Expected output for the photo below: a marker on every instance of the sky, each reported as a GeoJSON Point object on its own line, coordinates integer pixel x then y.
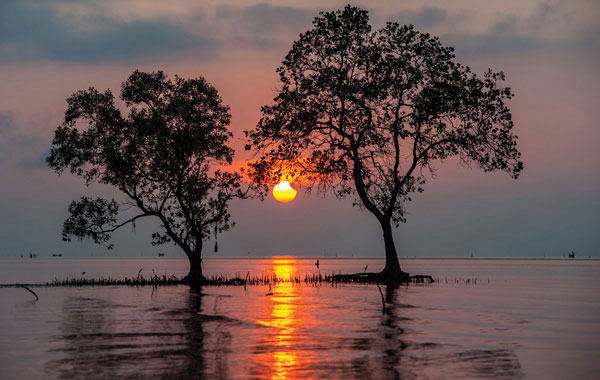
{"type": "Point", "coordinates": [549, 51]}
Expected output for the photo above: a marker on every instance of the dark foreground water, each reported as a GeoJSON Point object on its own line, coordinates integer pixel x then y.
{"type": "Point", "coordinates": [521, 319]}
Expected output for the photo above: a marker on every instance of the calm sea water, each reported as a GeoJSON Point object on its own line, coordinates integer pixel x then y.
{"type": "Point", "coordinates": [534, 319]}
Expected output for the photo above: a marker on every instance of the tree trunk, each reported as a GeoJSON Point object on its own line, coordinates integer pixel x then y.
{"type": "Point", "coordinates": [391, 271]}
{"type": "Point", "coordinates": [195, 257]}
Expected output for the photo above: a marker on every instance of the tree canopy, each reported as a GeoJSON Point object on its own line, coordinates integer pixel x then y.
{"type": "Point", "coordinates": [369, 114]}
{"type": "Point", "coordinates": [164, 156]}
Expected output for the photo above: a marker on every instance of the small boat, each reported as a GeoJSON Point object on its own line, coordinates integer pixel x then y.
{"type": "Point", "coordinates": [571, 255]}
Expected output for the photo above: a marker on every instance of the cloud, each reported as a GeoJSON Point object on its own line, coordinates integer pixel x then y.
{"type": "Point", "coordinates": [265, 18]}
{"type": "Point", "coordinates": [37, 162]}
{"type": "Point", "coordinates": [548, 26]}
{"type": "Point", "coordinates": [426, 17]}
{"type": "Point", "coordinates": [112, 31]}
{"type": "Point", "coordinates": [36, 32]}
{"type": "Point", "coordinates": [493, 44]}
{"type": "Point", "coordinates": [261, 26]}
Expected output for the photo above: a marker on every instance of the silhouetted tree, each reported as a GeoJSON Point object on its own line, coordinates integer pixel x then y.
{"type": "Point", "coordinates": [368, 114]}
{"type": "Point", "coordinates": [162, 156]}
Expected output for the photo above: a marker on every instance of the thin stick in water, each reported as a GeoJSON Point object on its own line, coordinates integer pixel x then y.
{"type": "Point", "coordinates": [31, 291]}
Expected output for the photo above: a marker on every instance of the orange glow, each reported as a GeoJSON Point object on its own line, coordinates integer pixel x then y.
{"type": "Point", "coordinates": [283, 192]}
{"type": "Point", "coordinates": [274, 172]}
{"type": "Point", "coordinates": [284, 318]}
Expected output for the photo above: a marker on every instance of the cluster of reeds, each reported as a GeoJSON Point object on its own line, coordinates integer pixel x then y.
{"type": "Point", "coordinates": [270, 279]}
{"type": "Point", "coordinates": [461, 280]}
{"type": "Point", "coordinates": [140, 280]}
{"type": "Point", "coordinates": [312, 279]}
{"type": "Point", "coordinates": [296, 278]}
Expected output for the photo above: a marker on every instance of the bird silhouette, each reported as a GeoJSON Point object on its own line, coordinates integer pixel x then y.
{"type": "Point", "coordinates": [366, 266]}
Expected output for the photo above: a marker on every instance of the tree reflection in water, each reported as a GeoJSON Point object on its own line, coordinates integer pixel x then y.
{"type": "Point", "coordinates": [102, 340]}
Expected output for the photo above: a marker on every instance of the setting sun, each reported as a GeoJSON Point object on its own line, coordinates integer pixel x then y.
{"type": "Point", "coordinates": [283, 192]}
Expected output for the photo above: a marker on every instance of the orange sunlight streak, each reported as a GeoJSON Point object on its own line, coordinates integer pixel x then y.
{"type": "Point", "coordinates": [285, 319]}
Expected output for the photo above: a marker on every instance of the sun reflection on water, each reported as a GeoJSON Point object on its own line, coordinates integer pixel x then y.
{"type": "Point", "coordinates": [285, 318]}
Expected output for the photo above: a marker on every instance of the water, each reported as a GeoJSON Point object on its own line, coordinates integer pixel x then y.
{"type": "Point", "coordinates": [522, 319]}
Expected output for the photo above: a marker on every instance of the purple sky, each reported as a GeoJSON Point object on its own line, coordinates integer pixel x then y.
{"type": "Point", "coordinates": [548, 50]}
